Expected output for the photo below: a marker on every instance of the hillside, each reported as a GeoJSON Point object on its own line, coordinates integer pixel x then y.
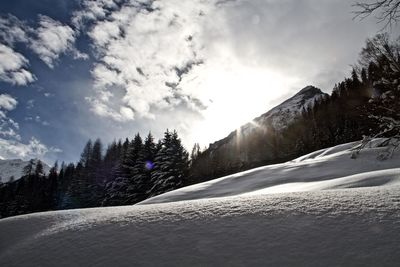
{"type": "Point", "coordinates": [262, 141]}
{"type": "Point", "coordinates": [12, 169]}
{"type": "Point", "coordinates": [276, 119]}
{"type": "Point", "coordinates": [342, 221]}
{"type": "Point", "coordinates": [326, 169]}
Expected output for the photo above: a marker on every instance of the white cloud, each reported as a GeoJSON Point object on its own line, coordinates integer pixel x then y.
{"type": "Point", "coordinates": [228, 60]}
{"type": "Point", "coordinates": [7, 102]}
{"type": "Point", "coordinates": [13, 67]}
{"type": "Point", "coordinates": [48, 41]}
{"type": "Point", "coordinates": [33, 149]}
{"type": "Point", "coordinates": [12, 30]}
{"type": "Point", "coordinates": [11, 145]}
{"type": "Point", "coordinates": [52, 39]}
{"type": "Point", "coordinates": [76, 54]}
{"type": "Point", "coordinates": [8, 127]}
{"type": "Point", "coordinates": [30, 104]}
{"type": "Point", "coordinates": [144, 49]}
{"type": "Point", "coordinates": [93, 10]}
{"type": "Point", "coordinates": [38, 119]}
{"type": "Point", "coordinates": [127, 113]}
{"type": "Point", "coordinates": [100, 108]}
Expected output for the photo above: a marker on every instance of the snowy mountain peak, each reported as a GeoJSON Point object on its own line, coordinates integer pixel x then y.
{"type": "Point", "coordinates": [282, 115]}
{"type": "Point", "coordinates": [309, 90]}
{"type": "Point", "coordinates": [278, 117]}
{"type": "Point", "coordinates": [12, 169]}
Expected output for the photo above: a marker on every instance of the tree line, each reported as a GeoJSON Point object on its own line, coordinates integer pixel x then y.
{"type": "Point", "coordinates": [128, 172]}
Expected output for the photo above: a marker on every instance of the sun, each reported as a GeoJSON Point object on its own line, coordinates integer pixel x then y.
{"type": "Point", "coordinates": [236, 96]}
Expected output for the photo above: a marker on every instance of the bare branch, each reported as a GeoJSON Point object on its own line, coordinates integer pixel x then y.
{"type": "Point", "coordinates": [385, 11]}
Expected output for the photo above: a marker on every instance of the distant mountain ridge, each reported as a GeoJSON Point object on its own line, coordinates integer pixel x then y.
{"type": "Point", "coordinates": [283, 114]}
{"type": "Point", "coordinates": [12, 169]}
{"type": "Point", "coordinates": [280, 116]}
{"type": "Point", "coordinates": [259, 142]}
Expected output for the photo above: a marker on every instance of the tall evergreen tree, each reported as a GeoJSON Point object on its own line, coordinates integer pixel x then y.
{"type": "Point", "coordinates": [170, 165]}
{"type": "Point", "coordinates": [86, 154]}
{"type": "Point", "coordinates": [143, 168]}
{"type": "Point", "coordinates": [39, 171]}
{"type": "Point", "coordinates": [123, 190]}
{"type": "Point", "coordinates": [52, 189]}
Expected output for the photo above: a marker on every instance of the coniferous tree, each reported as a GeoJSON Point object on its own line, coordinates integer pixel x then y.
{"type": "Point", "coordinates": [170, 165]}
{"type": "Point", "coordinates": [122, 190]}
{"type": "Point", "coordinates": [96, 155]}
{"type": "Point", "coordinates": [111, 161]}
{"type": "Point", "coordinates": [39, 171]}
{"type": "Point", "coordinates": [53, 186]}
{"type": "Point", "coordinates": [66, 183]}
{"type": "Point", "coordinates": [195, 151]}
{"type": "Point", "coordinates": [82, 188]}
{"type": "Point", "coordinates": [143, 168]}
{"type": "Point", "coordinates": [86, 154]}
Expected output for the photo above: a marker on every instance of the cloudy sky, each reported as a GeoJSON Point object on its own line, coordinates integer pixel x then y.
{"type": "Point", "coordinates": [71, 70]}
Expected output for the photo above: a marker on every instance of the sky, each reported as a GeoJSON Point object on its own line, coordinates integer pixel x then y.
{"type": "Point", "coordinates": [71, 70]}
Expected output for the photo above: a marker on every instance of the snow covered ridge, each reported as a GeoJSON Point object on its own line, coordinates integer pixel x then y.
{"type": "Point", "coordinates": [278, 117]}
{"type": "Point", "coordinates": [283, 114]}
{"type": "Point", "coordinates": [12, 169]}
{"type": "Point", "coordinates": [330, 168]}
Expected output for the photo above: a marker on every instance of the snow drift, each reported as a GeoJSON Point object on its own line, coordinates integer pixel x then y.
{"type": "Point", "coordinates": [330, 168]}
{"type": "Point", "coordinates": [357, 224]}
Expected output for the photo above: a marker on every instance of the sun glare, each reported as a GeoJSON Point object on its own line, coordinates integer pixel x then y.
{"type": "Point", "coordinates": [236, 96]}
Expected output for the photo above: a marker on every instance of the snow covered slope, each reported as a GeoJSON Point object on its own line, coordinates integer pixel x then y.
{"type": "Point", "coordinates": [278, 117]}
{"type": "Point", "coordinates": [254, 143]}
{"type": "Point", "coordinates": [330, 168]}
{"type": "Point", "coordinates": [283, 114]}
{"type": "Point", "coordinates": [357, 227]}
{"type": "Point", "coordinates": [12, 169]}
{"type": "Point", "coordinates": [355, 224]}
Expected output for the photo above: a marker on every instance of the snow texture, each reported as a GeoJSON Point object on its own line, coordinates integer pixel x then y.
{"type": "Point", "coordinates": [282, 115]}
{"type": "Point", "coordinates": [347, 226]}
{"type": "Point", "coordinates": [330, 168]}
{"type": "Point", "coordinates": [358, 227]}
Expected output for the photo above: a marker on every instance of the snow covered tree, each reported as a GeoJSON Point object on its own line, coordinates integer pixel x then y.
{"type": "Point", "coordinates": [382, 56]}
{"type": "Point", "coordinates": [171, 165]}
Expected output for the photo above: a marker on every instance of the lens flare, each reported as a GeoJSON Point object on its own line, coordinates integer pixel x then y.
{"type": "Point", "coordinates": [149, 165]}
